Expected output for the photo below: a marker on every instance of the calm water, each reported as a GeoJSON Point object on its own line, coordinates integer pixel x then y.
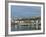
{"type": "Point", "coordinates": [22, 28]}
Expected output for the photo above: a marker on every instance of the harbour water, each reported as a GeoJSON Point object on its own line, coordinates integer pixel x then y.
{"type": "Point", "coordinates": [24, 27]}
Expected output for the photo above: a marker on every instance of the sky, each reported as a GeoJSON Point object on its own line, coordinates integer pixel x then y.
{"type": "Point", "coordinates": [25, 11]}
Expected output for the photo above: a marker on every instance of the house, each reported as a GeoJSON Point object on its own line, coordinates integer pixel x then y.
{"type": "Point", "coordinates": [34, 23]}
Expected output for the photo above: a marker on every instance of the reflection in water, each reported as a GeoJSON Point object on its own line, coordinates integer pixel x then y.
{"type": "Point", "coordinates": [23, 27]}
